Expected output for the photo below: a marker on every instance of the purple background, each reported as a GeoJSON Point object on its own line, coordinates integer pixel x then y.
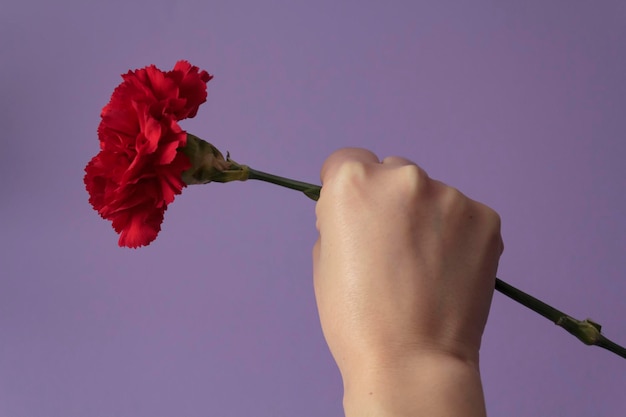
{"type": "Point", "coordinates": [519, 104]}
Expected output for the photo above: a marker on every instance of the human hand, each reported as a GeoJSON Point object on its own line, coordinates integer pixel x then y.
{"type": "Point", "coordinates": [404, 271]}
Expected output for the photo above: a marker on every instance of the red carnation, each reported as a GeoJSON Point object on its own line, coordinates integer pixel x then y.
{"type": "Point", "coordinates": [138, 170]}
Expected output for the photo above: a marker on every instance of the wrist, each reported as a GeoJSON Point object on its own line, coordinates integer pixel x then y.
{"type": "Point", "coordinates": [431, 384]}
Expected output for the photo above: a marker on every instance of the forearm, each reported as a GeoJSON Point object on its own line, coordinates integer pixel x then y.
{"type": "Point", "coordinates": [434, 387]}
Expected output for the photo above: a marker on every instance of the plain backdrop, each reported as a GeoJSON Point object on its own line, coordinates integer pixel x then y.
{"type": "Point", "coordinates": [520, 104]}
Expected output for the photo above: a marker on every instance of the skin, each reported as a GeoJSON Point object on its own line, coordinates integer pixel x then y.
{"type": "Point", "coordinates": [404, 271]}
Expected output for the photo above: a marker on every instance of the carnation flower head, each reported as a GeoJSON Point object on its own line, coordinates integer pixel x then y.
{"type": "Point", "coordinates": [138, 170]}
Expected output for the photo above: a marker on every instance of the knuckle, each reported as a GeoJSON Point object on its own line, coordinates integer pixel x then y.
{"type": "Point", "coordinates": [492, 218]}
{"type": "Point", "coordinates": [452, 199]}
{"type": "Point", "coordinates": [413, 179]}
{"type": "Point", "coordinates": [492, 224]}
{"type": "Point", "coordinates": [455, 202]}
{"type": "Point", "coordinates": [343, 190]}
{"type": "Point", "coordinates": [348, 176]}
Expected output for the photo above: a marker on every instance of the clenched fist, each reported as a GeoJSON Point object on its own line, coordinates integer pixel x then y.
{"type": "Point", "coordinates": [404, 271]}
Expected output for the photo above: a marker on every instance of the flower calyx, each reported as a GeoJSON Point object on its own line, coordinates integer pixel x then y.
{"type": "Point", "coordinates": [209, 165]}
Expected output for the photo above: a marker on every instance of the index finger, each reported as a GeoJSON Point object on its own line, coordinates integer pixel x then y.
{"type": "Point", "coordinates": [341, 156]}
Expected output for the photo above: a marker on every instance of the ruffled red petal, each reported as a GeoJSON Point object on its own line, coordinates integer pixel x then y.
{"type": "Point", "coordinates": [138, 170]}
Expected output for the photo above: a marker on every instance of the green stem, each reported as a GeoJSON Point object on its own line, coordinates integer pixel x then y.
{"type": "Point", "coordinates": [310, 190]}
{"type": "Point", "coordinates": [520, 296]}
{"type": "Point", "coordinates": [586, 331]}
